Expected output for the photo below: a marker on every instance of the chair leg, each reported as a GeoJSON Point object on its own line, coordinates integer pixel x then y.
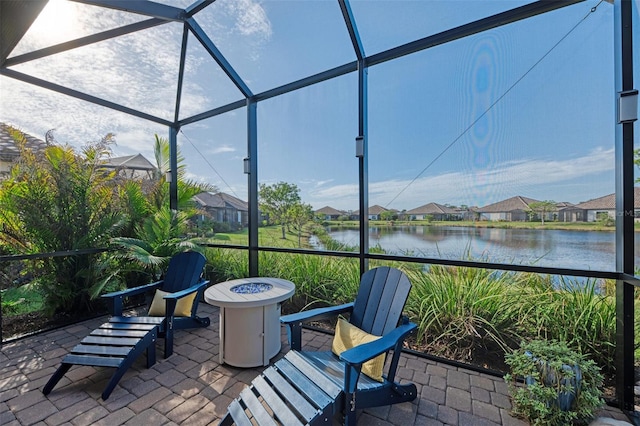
{"type": "Point", "coordinates": [168, 341]}
{"type": "Point", "coordinates": [349, 409]}
{"type": "Point", "coordinates": [151, 354]}
{"type": "Point", "coordinates": [53, 381]}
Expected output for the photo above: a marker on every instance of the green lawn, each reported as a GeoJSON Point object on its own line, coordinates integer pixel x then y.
{"type": "Point", "coordinates": [21, 300]}
{"type": "Point", "coordinates": [268, 236]}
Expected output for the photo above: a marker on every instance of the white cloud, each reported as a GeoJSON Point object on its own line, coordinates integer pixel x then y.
{"type": "Point", "coordinates": [222, 149]}
{"type": "Point", "coordinates": [251, 18]}
{"type": "Point", "coordinates": [475, 187]}
{"type": "Point", "coordinates": [323, 182]}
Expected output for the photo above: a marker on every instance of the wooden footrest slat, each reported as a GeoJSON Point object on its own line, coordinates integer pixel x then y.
{"type": "Point", "coordinates": [119, 333]}
{"type": "Point", "coordinates": [137, 320]}
{"type": "Point", "coordinates": [127, 326]}
{"type": "Point", "coordinates": [97, 361]}
{"type": "Point", "coordinates": [237, 413]}
{"type": "Point", "coordinates": [306, 410]}
{"type": "Point", "coordinates": [256, 408]}
{"type": "Point", "coordinates": [113, 341]}
{"type": "Point", "coordinates": [101, 350]}
{"type": "Point", "coordinates": [277, 405]}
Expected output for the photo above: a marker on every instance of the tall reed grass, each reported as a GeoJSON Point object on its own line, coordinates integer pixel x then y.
{"type": "Point", "coordinates": [320, 280]}
{"type": "Point", "coordinates": [460, 311]}
{"type": "Point", "coordinates": [572, 311]}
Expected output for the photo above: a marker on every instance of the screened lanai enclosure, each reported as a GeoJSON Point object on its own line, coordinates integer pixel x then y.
{"type": "Point", "coordinates": [384, 116]}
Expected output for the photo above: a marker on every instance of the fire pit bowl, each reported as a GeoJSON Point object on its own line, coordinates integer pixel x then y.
{"type": "Point", "coordinates": [251, 288]}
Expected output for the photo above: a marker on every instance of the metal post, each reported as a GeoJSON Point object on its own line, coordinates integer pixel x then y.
{"type": "Point", "coordinates": [363, 163]}
{"type": "Point", "coordinates": [252, 178]}
{"type": "Point", "coordinates": [625, 208]}
{"type": "Point", "coordinates": [173, 165]}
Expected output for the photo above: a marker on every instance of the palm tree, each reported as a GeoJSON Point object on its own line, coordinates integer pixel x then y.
{"type": "Point", "coordinates": [158, 233]}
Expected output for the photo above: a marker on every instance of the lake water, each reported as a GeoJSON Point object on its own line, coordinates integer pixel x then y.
{"type": "Point", "coordinates": [590, 250]}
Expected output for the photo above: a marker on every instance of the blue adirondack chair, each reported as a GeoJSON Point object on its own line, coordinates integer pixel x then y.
{"type": "Point", "coordinates": [182, 278]}
{"type": "Point", "coordinates": [119, 342]}
{"type": "Point", "coordinates": [310, 387]}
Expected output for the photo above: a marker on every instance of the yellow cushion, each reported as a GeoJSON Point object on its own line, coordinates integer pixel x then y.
{"type": "Point", "coordinates": [183, 306]}
{"type": "Point", "coordinates": [348, 336]}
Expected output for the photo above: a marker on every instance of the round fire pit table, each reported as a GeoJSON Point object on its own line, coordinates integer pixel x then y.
{"type": "Point", "coordinates": [249, 318]}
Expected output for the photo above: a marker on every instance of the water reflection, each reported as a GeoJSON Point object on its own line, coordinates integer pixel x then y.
{"type": "Point", "coordinates": [590, 250]}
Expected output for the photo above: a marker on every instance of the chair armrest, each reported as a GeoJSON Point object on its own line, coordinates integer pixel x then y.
{"type": "Point", "coordinates": [367, 351]}
{"type": "Point", "coordinates": [316, 314]}
{"type": "Point", "coordinates": [114, 299]}
{"type": "Point", "coordinates": [133, 291]}
{"type": "Point", "coordinates": [294, 321]}
{"type": "Point", "coordinates": [182, 293]}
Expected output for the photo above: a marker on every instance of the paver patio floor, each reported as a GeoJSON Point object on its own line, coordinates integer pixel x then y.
{"type": "Point", "coordinates": [191, 387]}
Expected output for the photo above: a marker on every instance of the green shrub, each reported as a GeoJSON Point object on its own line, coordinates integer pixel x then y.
{"type": "Point", "coordinates": [547, 368]}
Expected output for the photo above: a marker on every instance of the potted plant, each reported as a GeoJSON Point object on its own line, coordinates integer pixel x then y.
{"type": "Point", "coordinates": [561, 387]}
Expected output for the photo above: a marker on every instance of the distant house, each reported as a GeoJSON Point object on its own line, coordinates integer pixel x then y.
{"type": "Point", "coordinates": [434, 211]}
{"type": "Point", "coordinates": [9, 150]}
{"type": "Point", "coordinates": [514, 209]}
{"type": "Point", "coordinates": [594, 209]}
{"type": "Point", "coordinates": [329, 213]}
{"type": "Point", "coordinates": [375, 212]}
{"type": "Point", "coordinates": [224, 208]}
{"type": "Point", "coordinates": [132, 166]}
{"type": "Point", "coordinates": [564, 212]}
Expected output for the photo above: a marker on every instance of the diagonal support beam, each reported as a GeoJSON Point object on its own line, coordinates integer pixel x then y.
{"type": "Point", "coordinates": [141, 7]}
{"type": "Point", "coordinates": [83, 41]}
{"type": "Point", "coordinates": [206, 42]}
{"type": "Point", "coordinates": [197, 7]}
{"type": "Point", "coordinates": [183, 55]}
{"type": "Point", "coordinates": [498, 20]}
{"type": "Point", "coordinates": [80, 95]}
{"type": "Point", "coordinates": [350, 22]}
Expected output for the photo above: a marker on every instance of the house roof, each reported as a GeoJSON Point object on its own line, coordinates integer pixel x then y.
{"type": "Point", "coordinates": [508, 205]}
{"type": "Point", "coordinates": [131, 162]}
{"type": "Point", "coordinates": [221, 200]}
{"type": "Point", "coordinates": [432, 208]}
{"type": "Point", "coordinates": [564, 205]}
{"type": "Point", "coordinates": [326, 210]}
{"type": "Point", "coordinates": [377, 209]}
{"type": "Point", "coordinates": [608, 202]}
{"type": "Point", "coordinates": [9, 148]}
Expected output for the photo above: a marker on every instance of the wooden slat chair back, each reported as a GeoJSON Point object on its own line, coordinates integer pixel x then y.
{"type": "Point", "coordinates": [381, 297]}
{"type": "Point", "coordinates": [184, 271]}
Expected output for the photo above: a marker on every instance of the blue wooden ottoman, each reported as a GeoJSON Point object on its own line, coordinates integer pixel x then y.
{"type": "Point", "coordinates": [114, 344]}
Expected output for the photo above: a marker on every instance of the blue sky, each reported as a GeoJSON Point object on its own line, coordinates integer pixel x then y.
{"type": "Point", "coordinates": [471, 122]}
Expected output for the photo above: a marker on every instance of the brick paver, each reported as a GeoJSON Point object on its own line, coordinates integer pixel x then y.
{"type": "Point", "coordinates": [192, 388]}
